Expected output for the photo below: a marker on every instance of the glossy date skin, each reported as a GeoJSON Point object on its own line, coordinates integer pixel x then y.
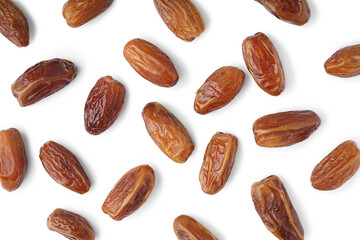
{"type": "Point", "coordinates": [275, 209]}
{"type": "Point", "coordinates": [187, 228]}
{"type": "Point", "coordinates": [263, 63]}
{"type": "Point", "coordinates": [130, 192]}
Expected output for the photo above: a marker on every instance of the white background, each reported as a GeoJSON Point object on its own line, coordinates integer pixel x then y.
{"type": "Point", "coordinates": [96, 48]}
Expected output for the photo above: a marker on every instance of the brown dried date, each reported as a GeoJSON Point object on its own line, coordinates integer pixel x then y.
{"type": "Point", "coordinates": [63, 166]}
{"type": "Point", "coordinates": [263, 62]}
{"type": "Point", "coordinates": [13, 160]}
{"type": "Point", "coordinates": [218, 161]}
{"type": "Point", "coordinates": [275, 209]}
{"type": "Point", "coordinates": [167, 132]}
{"type": "Point", "coordinates": [151, 63]}
{"type": "Point", "coordinates": [187, 228]}
{"type": "Point", "coordinates": [130, 192]}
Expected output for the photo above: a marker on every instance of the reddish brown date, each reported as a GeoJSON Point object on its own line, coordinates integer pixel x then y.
{"type": "Point", "coordinates": [263, 62]}
{"type": "Point", "coordinates": [63, 166]}
{"type": "Point", "coordinates": [275, 209]}
{"type": "Point", "coordinates": [13, 160]}
{"type": "Point", "coordinates": [42, 80]}
{"type": "Point", "coordinates": [70, 225]}
{"type": "Point", "coordinates": [103, 105]}
{"type": "Point", "coordinates": [130, 192]}
{"type": "Point", "coordinates": [167, 132]}
{"type": "Point", "coordinates": [218, 161]}
{"type": "Point", "coordinates": [151, 63]}
{"type": "Point", "coordinates": [187, 228]}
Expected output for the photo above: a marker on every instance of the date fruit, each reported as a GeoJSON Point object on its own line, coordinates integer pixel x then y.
{"type": "Point", "coordinates": [219, 89]}
{"type": "Point", "coordinates": [13, 24]}
{"type": "Point", "coordinates": [275, 209]}
{"type": "Point", "coordinates": [42, 80]}
{"type": "Point", "coordinates": [79, 12]}
{"type": "Point", "coordinates": [130, 192]}
{"type": "Point", "coordinates": [181, 17]}
{"type": "Point", "coordinates": [103, 105]}
{"type": "Point", "coordinates": [337, 167]}
{"type": "Point", "coordinates": [263, 62]}
{"type": "Point", "coordinates": [70, 225]}
{"type": "Point", "coordinates": [63, 167]}
{"type": "Point", "coordinates": [285, 128]}
{"type": "Point", "coordinates": [292, 11]}
{"type": "Point", "coordinates": [167, 132]}
{"type": "Point", "coordinates": [218, 161]}
{"type": "Point", "coordinates": [13, 160]}
{"type": "Point", "coordinates": [151, 63]}
{"type": "Point", "coordinates": [187, 228]}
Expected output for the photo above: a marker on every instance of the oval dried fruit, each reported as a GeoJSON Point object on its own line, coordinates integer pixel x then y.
{"type": "Point", "coordinates": [187, 228]}
{"type": "Point", "coordinates": [130, 192]}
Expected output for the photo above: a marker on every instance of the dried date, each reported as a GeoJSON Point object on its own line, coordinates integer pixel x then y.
{"type": "Point", "coordinates": [187, 228]}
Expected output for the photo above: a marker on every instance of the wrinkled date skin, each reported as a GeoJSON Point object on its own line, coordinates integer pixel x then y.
{"type": "Point", "coordinates": [151, 63]}
{"type": "Point", "coordinates": [187, 228]}
{"type": "Point", "coordinates": [13, 24]}
{"type": "Point", "coordinates": [79, 12]}
{"type": "Point", "coordinates": [337, 167]}
{"type": "Point", "coordinates": [219, 89]}
{"type": "Point", "coordinates": [70, 225]}
{"type": "Point", "coordinates": [292, 11]}
{"type": "Point", "coordinates": [218, 161]}
{"type": "Point", "coordinates": [263, 62]}
{"type": "Point", "coordinates": [13, 160]}
{"type": "Point", "coordinates": [64, 167]}
{"type": "Point", "coordinates": [103, 105]}
{"type": "Point", "coordinates": [130, 192]}
{"type": "Point", "coordinates": [275, 209]}
{"type": "Point", "coordinates": [285, 128]}
{"type": "Point", "coordinates": [182, 17]}
{"type": "Point", "coordinates": [42, 80]}
{"type": "Point", "coordinates": [167, 132]}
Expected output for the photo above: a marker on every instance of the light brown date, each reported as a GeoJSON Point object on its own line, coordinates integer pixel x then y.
{"type": "Point", "coordinates": [13, 160]}
{"type": "Point", "coordinates": [218, 161]}
{"type": "Point", "coordinates": [219, 89]}
{"type": "Point", "coordinates": [187, 228]}
{"type": "Point", "coordinates": [337, 167]}
{"type": "Point", "coordinates": [70, 225]}
{"type": "Point", "coordinates": [285, 128]}
{"type": "Point", "coordinates": [275, 209]}
{"type": "Point", "coordinates": [63, 166]}
{"type": "Point", "coordinates": [167, 132]}
{"type": "Point", "coordinates": [263, 62]}
{"type": "Point", "coordinates": [130, 192]}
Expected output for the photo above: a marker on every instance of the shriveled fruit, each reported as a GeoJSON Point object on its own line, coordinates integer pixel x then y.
{"type": "Point", "coordinates": [285, 128]}
{"type": "Point", "coordinates": [181, 17]}
{"type": "Point", "coordinates": [103, 105]}
{"type": "Point", "coordinates": [13, 160]}
{"type": "Point", "coordinates": [275, 209]}
{"type": "Point", "coordinates": [219, 89]}
{"type": "Point", "coordinates": [70, 225]}
{"type": "Point", "coordinates": [263, 62]}
{"type": "Point", "coordinates": [167, 132]}
{"type": "Point", "coordinates": [42, 80]}
{"type": "Point", "coordinates": [218, 161]}
{"type": "Point", "coordinates": [130, 192]}
{"type": "Point", "coordinates": [187, 228]}
{"type": "Point", "coordinates": [151, 63]}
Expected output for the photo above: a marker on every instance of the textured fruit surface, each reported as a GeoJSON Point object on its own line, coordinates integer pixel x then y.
{"type": "Point", "coordinates": [42, 80]}
{"type": "Point", "coordinates": [182, 18]}
{"type": "Point", "coordinates": [218, 161]}
{"type": "Point", "coordinates": [78, 12]}
{"type": "Point", "coordinates": [130, 192]}
{"type": "Point", "coordinates": [263, 62]}
{"type": "Point", "coordinates": [285, 128]}
{"type": "Point", "coordinates": [13, 160]}
{"type": "Point", "coordinates": [187, 228]}
{"type": "Point", "coordinates": [151, 63]}
{"type": "Point", "coordinates": [70, 225]}
{"type": "Point", "coordinates": [103, 105]}
{"type": "Point", "coordinates": [275, 209]}
{"type": "Point", "coordinates": [167, 132]}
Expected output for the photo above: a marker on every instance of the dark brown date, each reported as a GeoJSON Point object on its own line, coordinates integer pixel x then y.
{"type": "Point", "coordinates": [187, 228]}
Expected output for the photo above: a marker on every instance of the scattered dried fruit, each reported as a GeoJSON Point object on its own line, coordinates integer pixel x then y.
{"type": "Point", "coordinates": [187, 228]}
